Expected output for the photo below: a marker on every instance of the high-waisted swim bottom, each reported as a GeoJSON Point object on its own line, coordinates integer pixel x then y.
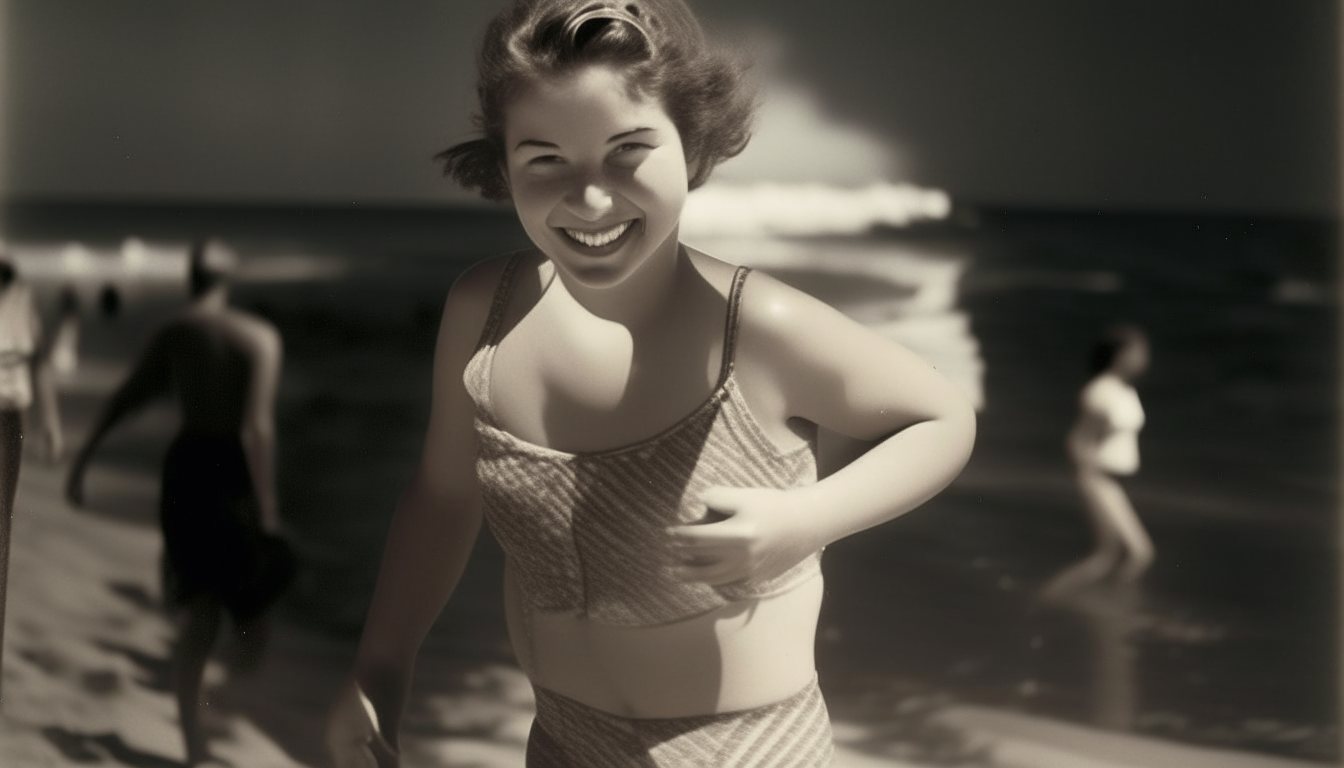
{"type": "Point", "coordinates": [793, 733]}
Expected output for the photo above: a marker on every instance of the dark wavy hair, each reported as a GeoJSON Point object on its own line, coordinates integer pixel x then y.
{"type": "Point", "coordinates": [1109, 346]}
{"type": "Point", "coordinates": [204, 272]}
{"type": "Point", "coordinates": [657, 44]}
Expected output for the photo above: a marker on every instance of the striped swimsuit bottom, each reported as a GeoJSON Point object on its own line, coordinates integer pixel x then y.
{"type": "Point", "coordinates": [793, 733]}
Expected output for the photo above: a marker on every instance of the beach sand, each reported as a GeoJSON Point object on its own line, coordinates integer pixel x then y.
{"type": "Point", "coordinates": [86, 674]}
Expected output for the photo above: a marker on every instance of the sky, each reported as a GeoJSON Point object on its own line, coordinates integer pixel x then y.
{"type": "Point", "coordinates": [1209, 105]}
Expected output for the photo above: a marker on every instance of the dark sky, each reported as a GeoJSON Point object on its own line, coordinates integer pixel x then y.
{"type": "Point", "coordinates": [1111, 104]}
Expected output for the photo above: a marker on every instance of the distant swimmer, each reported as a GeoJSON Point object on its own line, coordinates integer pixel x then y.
{"type": "Point", "coordinates": [1104, 447]}
{"type": "Point", "coordinates": [218, 507]}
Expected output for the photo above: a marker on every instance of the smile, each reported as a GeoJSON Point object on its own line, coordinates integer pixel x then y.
{"type": "Point", "coordinates": [599, 238]}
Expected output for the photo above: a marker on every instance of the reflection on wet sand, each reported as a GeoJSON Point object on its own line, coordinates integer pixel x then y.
{"type": "Point", "coordinates": [1110, 620]}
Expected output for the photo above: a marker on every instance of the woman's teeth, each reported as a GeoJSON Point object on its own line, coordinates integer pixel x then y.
{"type": "Point", "coordinates": [598, 239]}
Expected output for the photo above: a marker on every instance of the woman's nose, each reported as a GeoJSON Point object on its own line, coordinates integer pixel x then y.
{"type": "Point", "coordinates": [592, 203]}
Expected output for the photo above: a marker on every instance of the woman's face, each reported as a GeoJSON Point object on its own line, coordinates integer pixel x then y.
{"type": "Point", "coordinates": [598, 178]}
{"type": "Point", "coordinates": [1133, 359]}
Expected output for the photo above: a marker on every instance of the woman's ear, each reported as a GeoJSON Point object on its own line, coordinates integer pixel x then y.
{"type": "Point", "coordinates": [693, 165]}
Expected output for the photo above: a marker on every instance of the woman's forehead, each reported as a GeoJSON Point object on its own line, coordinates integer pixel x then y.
{"type": "Point", "coordinates": [589, 100]}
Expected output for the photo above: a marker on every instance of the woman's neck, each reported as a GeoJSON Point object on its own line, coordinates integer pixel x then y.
{"type": "Point", "coordinates": [642, 295]}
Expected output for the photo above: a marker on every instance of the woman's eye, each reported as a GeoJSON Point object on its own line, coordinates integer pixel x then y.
{"type": "Point", "coordinates": [630, 154]}
{"type": "Point", "coordinates": [545, 160]}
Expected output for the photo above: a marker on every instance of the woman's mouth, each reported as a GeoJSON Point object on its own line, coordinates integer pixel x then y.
{"type": "Point", "coordinates": [600, 238]}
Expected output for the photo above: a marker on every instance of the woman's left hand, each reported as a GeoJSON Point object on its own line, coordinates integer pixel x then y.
{"type": "Point", "coordinates": [760, 533]}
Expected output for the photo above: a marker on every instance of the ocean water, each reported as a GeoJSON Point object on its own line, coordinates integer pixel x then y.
{"type": "Point", "coordinates": [1231, 638]}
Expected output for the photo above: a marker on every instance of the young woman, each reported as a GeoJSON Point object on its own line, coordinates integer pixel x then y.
{"type": "Point", "coordinates": [637, 422]}
{"type": "Point", "coordinates": [217, 504]}
{"type": "Point", "coordinates": [1104, 446]}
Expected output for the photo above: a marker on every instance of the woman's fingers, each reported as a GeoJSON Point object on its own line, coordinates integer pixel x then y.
{"type": "Point", "coordinates": [352, 733]}
{"type": "Point", "coordinates": [708, 536]}
{"type": "Point", "coordinates": [716, 572]}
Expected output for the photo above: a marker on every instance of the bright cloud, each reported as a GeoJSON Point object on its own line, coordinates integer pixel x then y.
{"type": "Point", "coordinates": [796, 142]}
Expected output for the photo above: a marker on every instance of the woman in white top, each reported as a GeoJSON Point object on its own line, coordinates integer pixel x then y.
{"type": "Point", "coordinates": [1104, 447]}
{"type": "Point", "coordinates": [19, 333]}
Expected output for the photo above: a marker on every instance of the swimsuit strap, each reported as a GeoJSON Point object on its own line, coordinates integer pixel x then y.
{"type": "Point", "coordinates": [730, 324]}
{"type": "Point", "coordinates": [494, 321]}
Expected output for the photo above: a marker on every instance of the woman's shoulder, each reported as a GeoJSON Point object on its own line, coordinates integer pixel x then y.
{"type": "Point", "coordinates": [473, 294]}
{"type": "Point", "coordinates": [772, 309]}
{"type": "Point", "coordinates": [478, 284]}
{"type": "Point", "coordinates": [780, 327]}
{"type": "Point", "coordinates": [765, 301]}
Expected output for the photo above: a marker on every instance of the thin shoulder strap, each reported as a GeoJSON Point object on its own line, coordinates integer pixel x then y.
{"type": "Point", "coordinates": [493, 321]}
{"type": "Point", "coordinates": [730, 324]}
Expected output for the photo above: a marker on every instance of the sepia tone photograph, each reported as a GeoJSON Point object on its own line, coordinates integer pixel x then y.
{"type": "Point", "coordinates": [663, 383]}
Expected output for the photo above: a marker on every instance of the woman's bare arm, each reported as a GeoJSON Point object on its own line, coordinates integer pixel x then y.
{"type": "Point", "coordinates": [437, 518]}
{"type": "Point", "coordinates": [822, 367]}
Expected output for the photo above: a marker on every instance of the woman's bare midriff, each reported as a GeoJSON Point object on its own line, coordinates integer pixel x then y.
{"type": "Point", "coordinates": [741, 656]}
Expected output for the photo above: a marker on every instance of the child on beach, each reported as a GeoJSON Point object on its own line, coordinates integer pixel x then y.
{"type": "Point", "coordinates": [636, 421]}
{"type": "Point", "coordinates": [217, 505]}
{"type": "Point", "coordinates": [1104, 447]}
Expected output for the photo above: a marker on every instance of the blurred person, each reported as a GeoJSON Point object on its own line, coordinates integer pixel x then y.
{"type": "Point", "coordinates": [218, 507]}
{"type": "Point", "coordinates": [637, 422]}
{"type": "Point", "coordinates": [64, 347]}
{"type": "Point", "coordinates": [109, 301]}
{"type": "Point", "coordinates": [1104, 447]}
{"type": "Point", "coordinates": [20, 331]}
{"type": "Point", "coordinates": [58, 359]}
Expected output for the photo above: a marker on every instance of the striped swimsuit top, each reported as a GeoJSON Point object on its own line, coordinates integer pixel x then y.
{"type": "Point", "coordinates": [586, 532]}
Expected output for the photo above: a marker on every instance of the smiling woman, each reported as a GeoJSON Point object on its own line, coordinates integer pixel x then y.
{"type": "Point", "coordinates": [637, 422]}
{"type": "Point", "coordinates": [598, 178]}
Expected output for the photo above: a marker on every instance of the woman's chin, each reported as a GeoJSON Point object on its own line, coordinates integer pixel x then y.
{"type": "Point", "coordinates": [599, 277]}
